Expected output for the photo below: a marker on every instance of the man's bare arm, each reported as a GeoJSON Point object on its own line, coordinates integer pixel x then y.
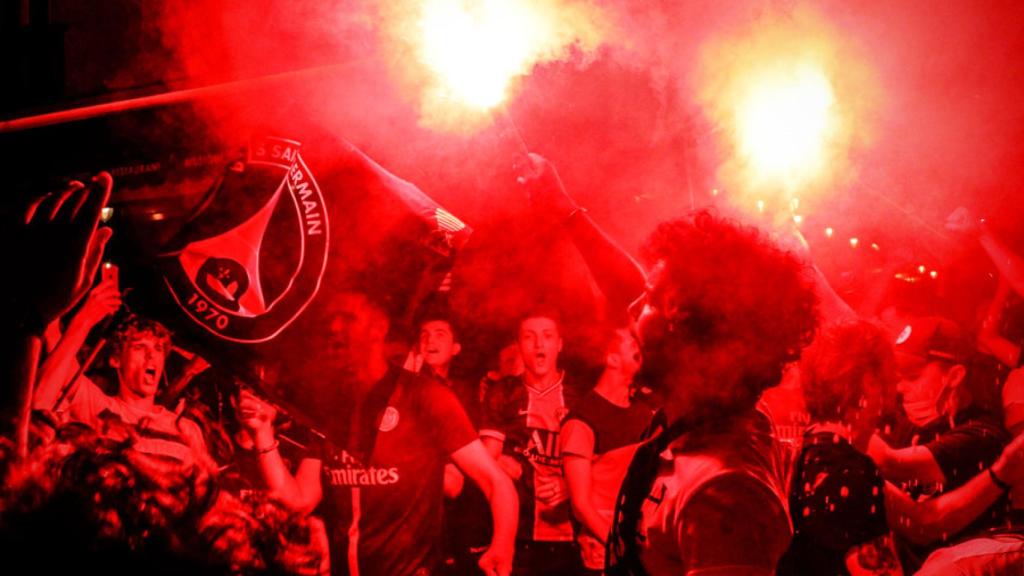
{"type": "Point", "coordinates": [905, 464]}
{"type": "Point", "coordinates": [475, 462]}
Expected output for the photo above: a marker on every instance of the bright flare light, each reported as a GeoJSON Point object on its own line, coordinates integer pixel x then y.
{"type": "Point", "coordinates": [467, 54]}
{"type": "Point", "coordinates": [476, 49]}
{"type": "Point", "coordinates": [791, 100]}
{"type": "Point", "coordinates": [784, 123]}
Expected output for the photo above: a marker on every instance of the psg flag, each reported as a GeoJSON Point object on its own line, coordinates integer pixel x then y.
{"type": "Point", "coordinates": [285, 222]}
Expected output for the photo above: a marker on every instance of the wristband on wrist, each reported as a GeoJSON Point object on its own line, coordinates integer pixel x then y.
{"type": "Point", "coordinates": [268, 449]}
{"type": "Point", "coordinates": [999, 482]}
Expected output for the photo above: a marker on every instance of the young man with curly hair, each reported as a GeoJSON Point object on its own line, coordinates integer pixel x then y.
{"type": "Point", "coordinates": [138, 351]}
{"type": "Point", "coordinates": [724, 311]}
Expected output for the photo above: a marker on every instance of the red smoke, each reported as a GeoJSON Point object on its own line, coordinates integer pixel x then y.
{"type": "Point", "coordinates": [627, 127]}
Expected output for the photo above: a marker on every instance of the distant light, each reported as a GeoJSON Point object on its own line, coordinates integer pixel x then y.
{"type": "Point", "coordinates": [798, 218]}
{"type": "Point", "coordinates": [934, 274]}
{"type": "Point", "coordinates": [714, 191]}
{"type": "Point", "coordinates": [760, 206]}
{"type": "Point", "coordinates": [794, 204]}
{"type": "Point", "coordinates": [854, 242]}
{"type": "Point", "coordinates": [921, 269]}
{"type": "Point", "coordinates": [829, 232]}
{"type": "Point", "coordinates": [106, 214]}
{"type": "Point", "coordinates": [155, 216]}
{"type": "Point", "coordinates": [875, 247]}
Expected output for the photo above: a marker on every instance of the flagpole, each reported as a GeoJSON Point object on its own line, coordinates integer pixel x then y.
{"type": "Point", "coordinates": [162, 99]}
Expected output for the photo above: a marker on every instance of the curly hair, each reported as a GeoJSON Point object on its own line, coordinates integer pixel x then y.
{"type": "Point", "coordinates": [135, 325]}
{"type": "Point", "coordinates": [744, 308]}
{"type": "Point", "coordinates": [833, 367]}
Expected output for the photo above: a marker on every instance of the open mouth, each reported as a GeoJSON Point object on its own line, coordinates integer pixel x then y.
{"type": "Point", "coordinates": [150, 373]}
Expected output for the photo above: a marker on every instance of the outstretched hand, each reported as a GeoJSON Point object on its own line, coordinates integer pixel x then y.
{"type": "Point", "coordinates": [543, 186]}
{"type": "Point", "coordinates": [62, 234]}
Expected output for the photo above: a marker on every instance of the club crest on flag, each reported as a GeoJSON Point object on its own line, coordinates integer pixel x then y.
{"type": "Point", "coordinates": [250, 261]}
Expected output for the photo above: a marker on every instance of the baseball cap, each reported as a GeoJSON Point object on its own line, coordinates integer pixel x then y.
{"type": "Point", "coordinates": [933, 338]}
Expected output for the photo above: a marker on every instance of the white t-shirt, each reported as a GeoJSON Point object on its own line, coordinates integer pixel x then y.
{"type": "Point", "coordinates": [159, 432]}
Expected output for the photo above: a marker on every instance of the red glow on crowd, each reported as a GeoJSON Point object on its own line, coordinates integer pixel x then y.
{"type": "Point", "coordinates": [289, 281]}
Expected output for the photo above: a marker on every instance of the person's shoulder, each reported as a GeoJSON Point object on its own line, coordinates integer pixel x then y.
{"type": "Point", "coordinates": [409, 380]}
{"type": "Point", "coordinates": [975, 421]}
{"type": "Point", "coordinates": [977, 416]}
{"type": "Point", "coordinates": [733, 488]}
{"type": "Point", "coordinates": [588, 401]}
{"type": "Point", "coordinates": [421, 388]}
{"type": "Point", "coordinates": [735, 497]}
{"type": "Point", "coordinates": [579, 415]}
{"type": "Point", "coordinates": [575, 389]}
{"type": "Point", "coordinates": [638, 409]}
{"type": "Point", "coordinates": [734, 519]}
{"type": "Point", "coordinates": [502, 390]}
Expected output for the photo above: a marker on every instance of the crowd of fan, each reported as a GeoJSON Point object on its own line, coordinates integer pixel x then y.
{"type": "Point", "coordinates": [887, 456]}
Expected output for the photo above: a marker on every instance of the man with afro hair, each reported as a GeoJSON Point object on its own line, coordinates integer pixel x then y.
{"type": "Point", "coordinates": [725, 310]}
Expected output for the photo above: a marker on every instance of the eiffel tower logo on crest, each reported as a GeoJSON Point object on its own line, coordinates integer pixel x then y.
{"type": "Point", "coordinates": [215, 276]}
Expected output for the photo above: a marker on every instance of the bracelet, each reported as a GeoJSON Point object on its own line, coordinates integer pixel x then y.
{"type": "Point", "coordinates": [999, 482]}
{"type": "Point", "coordinates": [268, 449]}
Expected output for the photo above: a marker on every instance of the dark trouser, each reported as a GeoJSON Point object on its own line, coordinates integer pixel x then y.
{"type": "Point", "coordinates": [547, 559]}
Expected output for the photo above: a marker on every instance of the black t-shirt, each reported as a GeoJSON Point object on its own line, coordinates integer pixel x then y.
{"type": "Point", "coordinates": [384, 510]}
{"type": "Point", "coordinates": [973, 444]}
{"type": "Point", "coordinates": [837, 501]}
{"type": "Point", "coordinates": [963, 451]}
{"type": "Point", "coordinates": [613, 426]}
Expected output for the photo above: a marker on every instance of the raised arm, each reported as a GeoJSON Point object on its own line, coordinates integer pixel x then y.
{"type": "Point", "coordinates": [831, 305]}
{"type": "Point", "coordinates": [905, 464]}
{"type": "Point", "coordinates": [60, 248]}
{"type": "Point", "coordinates": [990, 341]}
{"type": "Point", "coordinates": [577, 444]}
{"type": "Point", "coordinates": [937, 518]}
{"type": "Point", "coordinates": [618, 275]}
{"type": "Point", "coordinates": [300, 492]}
{"type": "Point", "coordinates": [1008, 262]}
{"type": "Point", "coordinates": [60, 366]}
